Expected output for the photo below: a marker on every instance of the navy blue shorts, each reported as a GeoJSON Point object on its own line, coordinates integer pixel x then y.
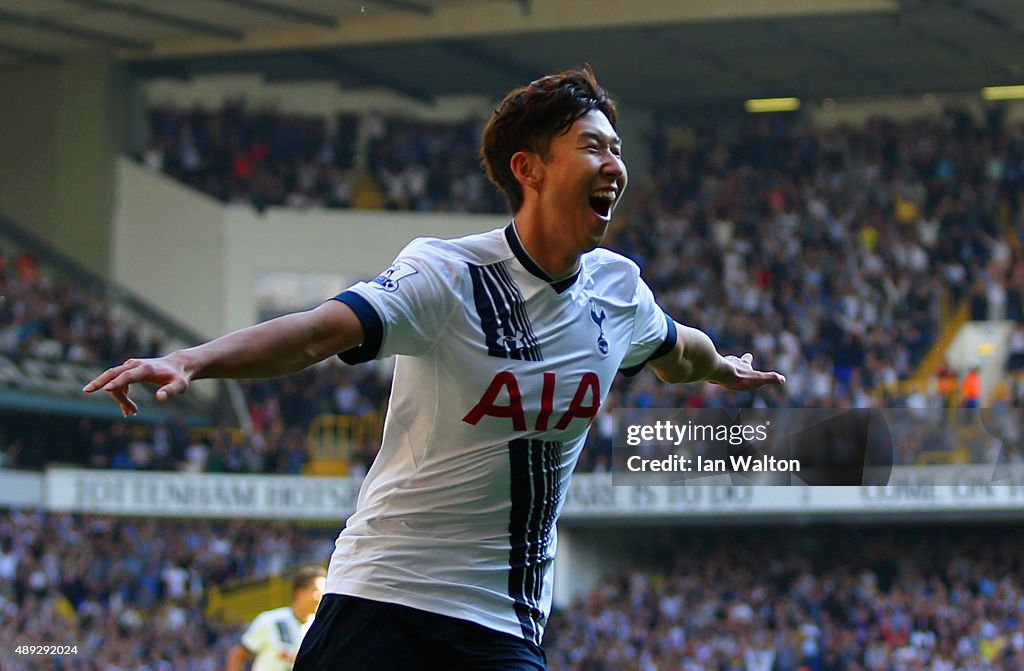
{"type": "Point", "coordinates": [354, 633]}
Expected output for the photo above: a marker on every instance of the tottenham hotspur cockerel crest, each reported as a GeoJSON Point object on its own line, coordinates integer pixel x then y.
{"type": "Point", "coordinates": [602, 342]}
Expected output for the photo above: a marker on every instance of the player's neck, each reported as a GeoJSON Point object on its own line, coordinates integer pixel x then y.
{"type": "Point", "coordinates": [549, 252]}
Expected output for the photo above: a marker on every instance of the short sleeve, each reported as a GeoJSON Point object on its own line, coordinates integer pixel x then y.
{"type": "Point", "coordinates": [403, 309]}
{"type": "Point", "coordinates": [257, 636]}
{"type": "Point", "coordinates": [654, 332]}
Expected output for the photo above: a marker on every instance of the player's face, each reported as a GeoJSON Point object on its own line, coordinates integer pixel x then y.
{"type": "Point", "coordinates": [312, 594]}
{"type": "Point", "coordinates": [307, 598]}
{"type": "Point", "coordinates": [317, 593]}
{"type": "Point", "coordinates": [585, 177]}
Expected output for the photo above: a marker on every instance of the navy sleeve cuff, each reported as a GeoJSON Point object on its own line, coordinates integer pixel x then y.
{"type": "Point", "coordinates": [664, 348]}
{"type": "Point", "coordinates": [373, 329]}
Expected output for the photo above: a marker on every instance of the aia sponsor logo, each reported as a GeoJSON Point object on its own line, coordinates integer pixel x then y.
{"type": "Point", "coordinates": [503, 399]}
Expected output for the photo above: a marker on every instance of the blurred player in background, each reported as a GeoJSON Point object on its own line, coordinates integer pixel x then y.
{"type": "Point", "coordinates": [273, 637]}
{"type": "Point", "coordinates": [507, 343]}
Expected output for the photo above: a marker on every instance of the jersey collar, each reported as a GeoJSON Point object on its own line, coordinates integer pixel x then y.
{"type": "Point", "coordinates": [512, 236]}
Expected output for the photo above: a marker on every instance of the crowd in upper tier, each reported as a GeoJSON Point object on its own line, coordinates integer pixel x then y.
{"type": "Point", "coordinates": [830, 253]}
{"type": "Point", "coordinates": [270, 159]}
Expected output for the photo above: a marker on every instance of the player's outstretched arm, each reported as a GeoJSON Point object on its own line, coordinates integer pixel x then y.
{"type": "Point", "coordinates": [280, 346]}
{"type": "Point", "coordinates": [695, 359]}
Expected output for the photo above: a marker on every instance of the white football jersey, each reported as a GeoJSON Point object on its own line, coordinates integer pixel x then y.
{"type": "Point", "coordinates": [274, 637]}
{"type": "Point", "coordinates": [499, 372]}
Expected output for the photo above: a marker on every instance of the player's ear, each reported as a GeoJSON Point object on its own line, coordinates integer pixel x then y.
{"type": "Point", "coordinates": [528, 169]}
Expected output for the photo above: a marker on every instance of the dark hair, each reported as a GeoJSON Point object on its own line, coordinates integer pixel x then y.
{"type": "Point", "coordinates": [530, 116]}
{"type": "Point", "coordinates": [306, 575]}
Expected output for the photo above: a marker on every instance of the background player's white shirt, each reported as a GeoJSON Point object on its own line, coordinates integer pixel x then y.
{"type": "Point", "coordinates": [274, 637]}
{"type": "Point", "coordinates": [498, 375]}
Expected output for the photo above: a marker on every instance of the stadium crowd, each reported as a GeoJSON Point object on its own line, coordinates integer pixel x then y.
{"type": "Point", "coordinates": [130, 593]}
{"type": "Point", "coordinates": [46, 316]}
{"type": "Point", "coordinates": [814, 599]}
{"type": "Point", "coordinates": [829, 252]}
{"type": "Point", "coordinates": [265, 158]}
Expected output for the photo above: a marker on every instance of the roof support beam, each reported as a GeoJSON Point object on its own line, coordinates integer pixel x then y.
{"type": "Point", "coordinates": [715, 60]}
{"type": "Point", "coordinates": [156, 16]}
{"type": "Point", "coordinates": [833, 54]}
{"type": "Point", "coordinates": [347, 73]}
{"type": "Point", "coordinates": [284, 12]}
{"type": "Point", "coordinates": [988, 17]}
{"type": "Point", "coordinates": [477, 54]}
{"type": "Point", "coordinates": [93, 36]}
{"type": "Point", "coordinates": [407, 6]}
{"type": "Point", "coordinates": [31, 54]}
{"type": "Point", "coordinates": [484, 19]}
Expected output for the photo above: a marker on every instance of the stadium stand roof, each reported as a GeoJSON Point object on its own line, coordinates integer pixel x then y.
{"type": "Point", "coordinates": [656, 54]}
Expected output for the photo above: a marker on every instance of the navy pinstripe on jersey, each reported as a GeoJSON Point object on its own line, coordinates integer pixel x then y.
{"type": "Point", "coordinates": [283, 632]}
{"type": "Point", "coordinates": [503, 317]}
{"type": "Point", "coordinates": [536, 488]}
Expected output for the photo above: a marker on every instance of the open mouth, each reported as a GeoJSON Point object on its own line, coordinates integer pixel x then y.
{"type": "Point", "coordinates": [601, 202]}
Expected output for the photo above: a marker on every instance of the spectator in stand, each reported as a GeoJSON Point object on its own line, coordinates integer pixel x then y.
{"type": "Point", "coordinates": [970, 390]}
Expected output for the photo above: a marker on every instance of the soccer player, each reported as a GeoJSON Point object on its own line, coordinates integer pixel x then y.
{"type": "Point", "coordinates": [507, 343]}
{"type": "Point", "coordinates": [273, 637]}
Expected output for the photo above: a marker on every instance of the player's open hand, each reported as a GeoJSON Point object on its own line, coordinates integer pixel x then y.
{"type": "Point", "coordinates": [166, 372]}
{"type": "Point", "coordinates": [738, 374]}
